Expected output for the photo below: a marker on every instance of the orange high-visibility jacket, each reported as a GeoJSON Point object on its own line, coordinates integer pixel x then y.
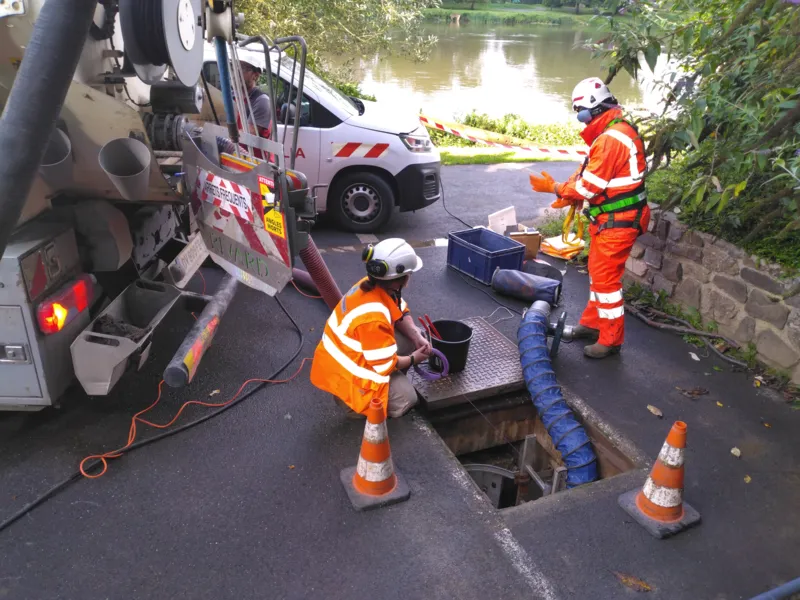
{"type": "Point", "coordinates": [358, 351]}
{"type": "Point", "coordinates": [616, 162]}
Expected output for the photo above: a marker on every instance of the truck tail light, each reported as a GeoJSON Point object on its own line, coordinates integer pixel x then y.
{"type": "Point", "coordinates": [58, 310]}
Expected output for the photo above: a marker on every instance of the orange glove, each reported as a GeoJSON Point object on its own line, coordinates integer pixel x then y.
{"type": "Point", "coordinates": [544, 184]}
{"type": "Point", "coordinates": [561, 203]}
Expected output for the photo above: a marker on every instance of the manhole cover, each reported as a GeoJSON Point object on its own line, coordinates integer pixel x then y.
{"type": "Point", "coordinates": [493, 368]}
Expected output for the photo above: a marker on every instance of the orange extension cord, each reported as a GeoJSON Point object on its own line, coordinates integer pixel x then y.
{"type": "Point", "coordinates": [302, 293]}
{"type": "Point", "coordinates": [103, 458]}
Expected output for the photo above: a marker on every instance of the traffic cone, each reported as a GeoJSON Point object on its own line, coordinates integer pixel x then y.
{"type": "Point", "coordinates": [373, 482]}
{"type": "Point", "coordinates": [659, 505]}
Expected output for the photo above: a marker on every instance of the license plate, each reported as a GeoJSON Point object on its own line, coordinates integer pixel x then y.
{"type": "Point", "coordinates": [185, 265]}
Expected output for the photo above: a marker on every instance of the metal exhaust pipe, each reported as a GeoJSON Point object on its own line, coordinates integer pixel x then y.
{"type": "Point", "coordinates": [57, 165]}
{"type": "Point", "coordinates": [127, 161]}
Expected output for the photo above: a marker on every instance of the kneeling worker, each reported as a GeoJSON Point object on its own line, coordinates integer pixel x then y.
{"type": "Point", "coordinates": [370, 339]}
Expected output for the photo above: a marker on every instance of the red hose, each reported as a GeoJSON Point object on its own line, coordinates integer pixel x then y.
{"type": "Point", "coordinates": [320, 274]}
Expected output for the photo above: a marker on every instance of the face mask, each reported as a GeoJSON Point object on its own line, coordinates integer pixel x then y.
{"type": "Point", "coordinates": [584, 115]}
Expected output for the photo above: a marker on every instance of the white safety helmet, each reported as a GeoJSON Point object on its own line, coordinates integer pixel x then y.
{"type": "Point", "coordinates": [391, 259]}
{"type": "Point", "coordinates": [591, 97]}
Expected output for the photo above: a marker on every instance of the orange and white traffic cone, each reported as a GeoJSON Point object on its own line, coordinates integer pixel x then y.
{"type": "Point", "coordinates": [374, 482]}
{"type": "Point", "coordinates": [659, 505]}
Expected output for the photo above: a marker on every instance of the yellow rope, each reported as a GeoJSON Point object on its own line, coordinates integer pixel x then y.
{"type": "Point", "coordinates": [566, 228]}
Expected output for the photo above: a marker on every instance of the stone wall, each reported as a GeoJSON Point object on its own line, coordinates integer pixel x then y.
{"type": "Point", "coordinates": [726, 285]}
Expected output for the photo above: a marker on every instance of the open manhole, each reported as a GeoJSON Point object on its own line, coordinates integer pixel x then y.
{"type": "Point", "coordinates": [487, 419]}
{"type": "Point", "coordinates": [504, 446]}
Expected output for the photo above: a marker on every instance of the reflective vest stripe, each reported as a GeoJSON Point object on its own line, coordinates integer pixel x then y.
{"type": "Point", "coordinates": [380, 353]}
{"type": "Point", "coordinates": [628, 143]}
{"type": "Point", "coordinates": [594, 179]}
{"type": "Point", "coordinates": [340, 329]}
{"type": "Point", "coordinates": [362, 310]}
{"type": "Point", "coordinates": [350, 366]}
{"type": "Point", "coordinates": [623, 181]}
{"type": "Point", "coordinates": [579, 187]}
{"type": "Point", "coordinates": [333, 323]}
{"type": "Point", "coordinates": [382, 368]}
{"type": "Point", "coordinates": [611, 313]}
{"type": "Point", "coordinates": [611, 298]}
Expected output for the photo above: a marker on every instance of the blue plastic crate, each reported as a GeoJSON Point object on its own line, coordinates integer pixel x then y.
{"type": "Point", "coordinates": [478, 252]}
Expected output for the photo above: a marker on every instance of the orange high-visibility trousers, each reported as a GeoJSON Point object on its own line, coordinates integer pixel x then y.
{"type": "Point", "coordinates": [608, 251]}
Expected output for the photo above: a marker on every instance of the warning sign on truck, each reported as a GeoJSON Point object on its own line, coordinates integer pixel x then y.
{"type": "Point", "coordinates": [227, 195]}
{"type": "Point", "coordinates": [273, 222]}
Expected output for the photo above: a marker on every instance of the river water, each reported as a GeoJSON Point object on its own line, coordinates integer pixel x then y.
{"type": "Point", "coordinates": [494, 69]}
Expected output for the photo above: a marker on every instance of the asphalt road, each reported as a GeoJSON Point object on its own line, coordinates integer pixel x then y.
{"type": "Point", "coordinates": [471, 192]}
{"type": "Point", "coordinates": [249, 504]}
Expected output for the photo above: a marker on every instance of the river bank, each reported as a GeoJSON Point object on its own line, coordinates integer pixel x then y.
{"type": "Point", "coordinates": [511, 14]}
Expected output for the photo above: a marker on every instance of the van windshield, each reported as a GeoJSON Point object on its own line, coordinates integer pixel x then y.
{"type": "Point", "coordinates": [321, 88]}
{"type": "Point", "coordinates": [312, 82]}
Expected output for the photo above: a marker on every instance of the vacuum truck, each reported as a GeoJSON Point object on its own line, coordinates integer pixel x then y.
{"type": "Point", "coordinates": [122, 172]}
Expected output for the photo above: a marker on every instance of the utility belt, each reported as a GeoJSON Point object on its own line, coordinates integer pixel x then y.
{"type": "Point", "coordinates": [624, 202]}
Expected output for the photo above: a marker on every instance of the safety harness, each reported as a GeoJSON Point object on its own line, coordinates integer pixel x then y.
{"type": "Point", "coordinates": [622, 202]}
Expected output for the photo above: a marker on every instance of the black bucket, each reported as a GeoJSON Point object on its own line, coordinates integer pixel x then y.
{"type": "Point", "coordinates": [454, 344]}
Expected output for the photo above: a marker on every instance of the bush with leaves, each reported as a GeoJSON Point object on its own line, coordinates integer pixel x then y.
{"type": "Point", "coordinates": [732, 113]}
{"type": "Point", "coordinates": [343, 29]}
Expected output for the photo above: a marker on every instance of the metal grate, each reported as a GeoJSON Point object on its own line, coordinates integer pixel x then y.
{"type": "Point", "coordinates": [493, 368]}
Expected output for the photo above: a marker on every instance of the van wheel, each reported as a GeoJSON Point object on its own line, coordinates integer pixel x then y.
{"type": "Point", "coordinates": [361, 202]}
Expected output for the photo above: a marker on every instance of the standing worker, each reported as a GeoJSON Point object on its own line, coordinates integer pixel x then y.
{"type": "Point", "coordinates": [259, 101]}
{"type": "Point", "coordinates": [370, 339]}
{"type": "Point", "coordinates": [612, 180]}
{"type": "Point", "coordinates": [262, 112]}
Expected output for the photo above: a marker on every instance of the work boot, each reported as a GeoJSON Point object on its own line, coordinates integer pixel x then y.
{"type": "Point", "coordinates": [597, 350]}
{"type": "Point", "coordinates": [581, 332]}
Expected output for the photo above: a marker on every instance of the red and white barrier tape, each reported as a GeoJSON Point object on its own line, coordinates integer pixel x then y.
{"type": "Point", "coordinates": [541, 151]}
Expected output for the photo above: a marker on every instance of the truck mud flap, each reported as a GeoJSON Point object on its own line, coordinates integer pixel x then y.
{"type": "Point", "coordinates": [121, 336]}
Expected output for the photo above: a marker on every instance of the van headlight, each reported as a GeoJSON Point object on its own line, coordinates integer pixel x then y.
{"type": "Point", "coordinates": [417, 142]}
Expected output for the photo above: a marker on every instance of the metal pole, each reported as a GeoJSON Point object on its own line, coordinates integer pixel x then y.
{"type": "Point", "coordinates": [34, 104]}
{"type": "Point", "coordinates": [300, 83]}
{"type": "Point", "coordinates": [181, 369]}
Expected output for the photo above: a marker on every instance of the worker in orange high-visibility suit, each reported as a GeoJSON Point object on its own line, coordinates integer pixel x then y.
{"type": "Point", "coordinates": [370, 339]}
{"type": "Point", "coordinates": [611, 179]}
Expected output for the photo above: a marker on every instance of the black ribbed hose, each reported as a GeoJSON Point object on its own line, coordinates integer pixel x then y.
{"type": "Point", "coordinates": [35, 101]}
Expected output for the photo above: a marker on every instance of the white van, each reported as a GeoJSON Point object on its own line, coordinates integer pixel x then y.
{"type": "Point", "coordinates": [372, 159]}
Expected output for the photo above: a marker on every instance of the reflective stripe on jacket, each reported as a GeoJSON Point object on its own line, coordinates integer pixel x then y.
{"type": "Point", "coordinates": [358, 351]}
{"type": "Point", "coordinates": [616, 162]}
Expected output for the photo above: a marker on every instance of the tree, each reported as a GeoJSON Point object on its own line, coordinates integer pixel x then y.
{"type": "Point", "coordinates": [733, 107]}
{"type": "Point", "coordinates": [342, 28]}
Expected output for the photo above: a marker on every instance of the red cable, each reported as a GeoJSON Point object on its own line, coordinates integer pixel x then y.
{"type": "Point", "coordinates": [132, 431]}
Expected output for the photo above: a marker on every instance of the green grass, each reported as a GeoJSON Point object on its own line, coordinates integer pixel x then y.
{"type": "Point", "coordinates": [505, 17]}
{"type": "Point", "coordinates": [482, 155]}
{"type": "Point", "coordinates": [548, 134]}
{"type": "Point", "coordinates": [512, 14]}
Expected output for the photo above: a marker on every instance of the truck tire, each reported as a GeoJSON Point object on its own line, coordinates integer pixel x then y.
{"type": "Point", "coordinates": [361, 202]}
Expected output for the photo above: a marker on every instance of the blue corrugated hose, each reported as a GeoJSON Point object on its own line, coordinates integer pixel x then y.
{"type": "Point", "coordinates": [567, 433]}
{"type": "Point", "coordinates": [225, 79]}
